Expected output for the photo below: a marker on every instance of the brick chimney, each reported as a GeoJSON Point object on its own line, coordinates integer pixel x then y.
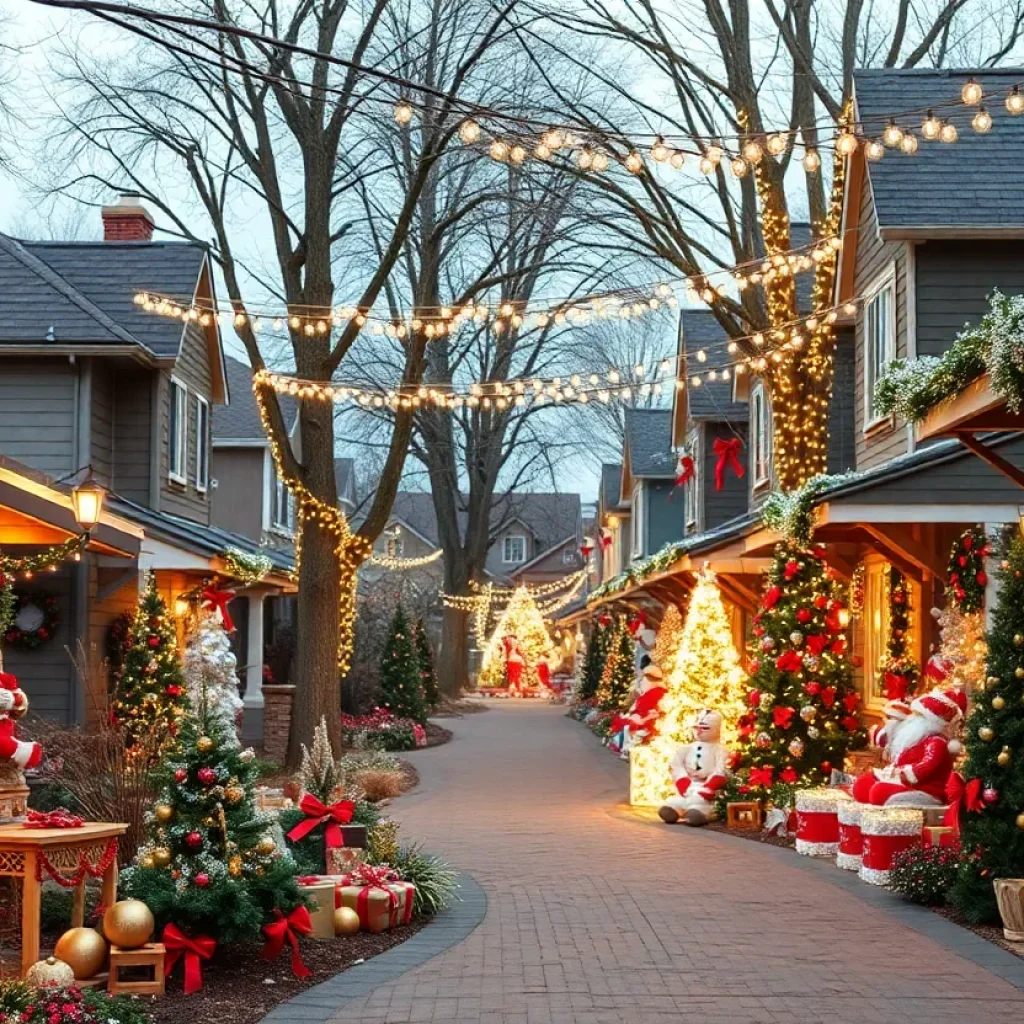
{"type": "Point", "coordinates": [127, 220]}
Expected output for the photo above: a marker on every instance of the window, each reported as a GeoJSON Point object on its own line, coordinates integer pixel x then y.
{"type": "Point", "coordinates": [879, 341]}
{"type": "Point", "coordinates": [513, 550]}
{"type": "Point", "coordinates": [760, 435]}
{"type": "Point", "coordinates": [393, 547]}
{"type": "Point", "coordinates": [875, 623]}
{"type": "Point", "coordinates": [568, 556]}
{"type": "Point", "coordinates": [202, 444]}
{"type": "Point", "coordinates": [178, 432]}
{"type": "Point", "coordinates": [638, 521]}
{"type": "Point", "coordinates": [691, 494]}
{"type": "Point", "coordinates": [281, 511]}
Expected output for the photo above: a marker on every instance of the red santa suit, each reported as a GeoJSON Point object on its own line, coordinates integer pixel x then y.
{"type": "Point", "coordinates": [640, 722]}
{"type": "Point", "coordinates": [514, 663]}
{"type": "Point", "coordinates": [922, 761]}
{"type": "Point", "coordinates": [14, 703]}
{"type": "Point", "coordinates": [698, 772]}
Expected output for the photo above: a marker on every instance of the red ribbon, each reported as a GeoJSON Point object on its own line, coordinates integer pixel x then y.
{"type": "Point", "coordinates": [685, 470]}
{"type": "Point", "coordinates": [218, 600]}
{"type": "Point", "coordinates": [727, 452]}
{"type": "Point", "coordinates": [879, 851]}
{"type": "Point", "coordinates": [958, 792]}
{"type": "Point", "coordinates": [896, 686]}
{"type": "Point", "coordinates": [288, 929]}
{"type": "Point", "coordinates": [179, 945]}
{"type": "Point", "coordinates": [585, 549]}
{"type": "Point", "coordinates": [606, 540]}
{"type": "Point", "coordinates": [761, 776]}
{"type": "Point", "coordinates": [817, 826]}
{"type": "Point", "coordinates": [790, 661]}
{"type": "Point", "coordinates": [320, 814]}
{"type": "Point", "coordinates": [381, 878]}
{"type": "Point", "coordinates": [637, 623]}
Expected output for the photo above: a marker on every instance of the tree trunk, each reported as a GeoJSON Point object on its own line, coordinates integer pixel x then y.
{"type": "Point", "coordinates": [316, 657]}
{"type": "Point", "coordinates": [453, 658]}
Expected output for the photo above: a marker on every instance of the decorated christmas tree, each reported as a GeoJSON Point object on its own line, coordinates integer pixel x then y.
{"type": "Point", "coordinates": [521, 620]}
{"type": "Point", "coordinates": [992, 810]}
{"type": "Point", "coordinates": [210, 864]}
{"type": "Point", "coordinates": [425, 657]}
{"type": "Point", "coordinates": [150, 693]}
{"type": "Point", "coordinates": [209, 670]}
{"type": "Point", "coordinates": [670, 638]}
{"type": "Point", "coordinates": [401, 691]}
{"type": "Point", "coordinates": [614, 691]}
{"type": "Point", "coordinates": [898, 669]}
{"type": "Point", "coordinates": [802, 712]}
{"type": "Point", "coordinates": [701, 669]}
{"type": "Point", "coordinates": [593, 661]}
{"type": "Point", "coordinates": [963, 647]}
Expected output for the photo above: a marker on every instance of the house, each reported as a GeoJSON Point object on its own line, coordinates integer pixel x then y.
{"type": "Point", "coordinates": [612, 539]}
{"type": "Point", "coordinates": [925, 240]}
{"type": "Point", "coordinates": [91, 383]}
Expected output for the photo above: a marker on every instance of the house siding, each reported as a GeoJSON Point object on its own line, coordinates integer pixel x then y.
{"type": "Point", "coordinates": [954, 281]}
{"type": "Point", "coordinates": [131, 434]}
{"type": "Point", "coordinates": [236, 503]}
{"type": "Point", "coordinates": [665, 512]}
{"type": "Point", "coordinates": [38, 414]}
{"type": "Point", "coordinates": [842, 452]}
{"type": "Point", "coordinates": [102, 613]}
{"type": "Point", "coordinates": [495, 564]}
{"type": "Point", "coordinates": [101, 428]}
{"type": "Point", "coordinates": [874, 257]}
{"type": "Point", "coordinates": [733, 499]}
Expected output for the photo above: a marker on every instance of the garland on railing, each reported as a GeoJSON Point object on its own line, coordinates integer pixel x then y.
{"type": "Point", "coordinates": [792, 514]}
{"type": "Point", "coordinates": [248, 567]}
{"type": "Point", "coordinates": [639, 571]}
{"type": "Point", "coordinates": [910, 388]}
{"type": "Point", "coordinates": [966, 575]}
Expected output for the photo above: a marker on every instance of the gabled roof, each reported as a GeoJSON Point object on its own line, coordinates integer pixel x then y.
{"type": "Point", "coordinates": [611, 485]}
{"type": "Point", "coordinates": [973, 187]}
{"type": "Point", "coordinates": [649, 443]}
{"type": "Point", "coordinates": [239, 420]}
{"type": "Point", "coordinates": [712, 400]}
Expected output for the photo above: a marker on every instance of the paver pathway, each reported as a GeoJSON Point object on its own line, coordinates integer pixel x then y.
{"type": "Point", "coordinates": [594, 917]}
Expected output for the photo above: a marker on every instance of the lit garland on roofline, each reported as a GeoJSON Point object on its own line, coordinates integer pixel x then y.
{"type": "Point", "coordinates": [49, 560]}
{"type": "Point", "coordinates": [247, 566]}
{"type": "Point", "coordinates": [639, 571]}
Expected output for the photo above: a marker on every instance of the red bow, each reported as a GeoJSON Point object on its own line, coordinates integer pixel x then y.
{"type": "Point", "coordinates": [685, 469]}
{"type": "Point", "coordinates": [850, 702]}
{"type": "Point", "coordinates": [637, 623]}
{"type": "Point", "coordinates": [783, 716]}
{"type": "Point", "coordinates": [761, 776]}
{"type": "Point", "coordinates": [960, 792]}
{"type": "Point", "coordinates": [319, 814]}
{"type": "Point", "coordinates": [896, 686]}
{"type": "Point", "coordinates": [828, 696]}
{"type": "Point", "coordinates": [727, 452]}
{"type": "Point", "coordinates": [218, 600]}
{"type": "Point", "coordinates": [585, 549]}
{"type": "Point", "coordinates": [606, 540]}
{"type": "Point", "coordinates": [179, 945]}
{"type": "Point", "coordinates": [816, 643]}
{"type": "Point", "coordinates": [288, 929]}
{"type": "Point", "coordinates": [791, 661]}
{"type": "Point", "coordinates": [771, 597]}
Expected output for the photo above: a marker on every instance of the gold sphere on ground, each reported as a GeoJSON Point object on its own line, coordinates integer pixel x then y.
{"type": "Point", "coordinates": [129, 924]}
{"type": "Point", "coordinates": [163, 812]}
{"type": "Point", "coordinates": [161, 856]}
{"type": "Point", "coordinates": [50, 971]}
{"type": "Point", "coordinates": [204, 744]}
{"type": "Point", "coordinates": [84, 950]}
{"type": "Point", "coordinates": [346, 921]}
{"type": "Point", "coordinates": [985, 734]}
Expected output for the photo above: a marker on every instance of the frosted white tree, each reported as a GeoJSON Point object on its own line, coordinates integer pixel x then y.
{"type": "Point", "coordinates": [210, 670]}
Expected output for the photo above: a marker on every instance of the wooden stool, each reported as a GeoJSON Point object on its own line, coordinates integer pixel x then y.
{"type": "Point", "coordinates": [149, 955]}
{"type": "Point", "coordinates": [743, 814]}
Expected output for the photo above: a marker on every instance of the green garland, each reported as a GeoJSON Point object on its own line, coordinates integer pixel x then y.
{"type": "Point", "coordinates": [792, 514]}
{"type": "Point", "coordinates": [7, 602]}
{"type": "Point", "coordinates": [910, 388]}
{"type": "Point", "coordinates": [246, 566]}
{"type": "Point", "coordinates": [966, 575]}
{"type": "Point", "coordinates": [637, 573]}
{"type": "Point", "coordinates": [43, 560]}
{"type": "Point", "coordinates": [899, 670]}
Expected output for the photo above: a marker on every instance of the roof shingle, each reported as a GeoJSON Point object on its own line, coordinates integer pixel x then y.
{"type": "Point", "coordinates": [239, 420]}
{"type": "Point", "coordinates": [649, 442]}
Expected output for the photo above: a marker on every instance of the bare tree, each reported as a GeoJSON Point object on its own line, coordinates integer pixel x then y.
{"type": "Point", "coordinates": [262, 109]}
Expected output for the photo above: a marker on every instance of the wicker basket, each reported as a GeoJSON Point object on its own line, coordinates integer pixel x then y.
{"type": "Point", "coordinates": [1010, 897]}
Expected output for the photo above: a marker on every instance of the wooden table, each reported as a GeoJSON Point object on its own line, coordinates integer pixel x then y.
{"type": "Point", "coordinates": [21, 850]}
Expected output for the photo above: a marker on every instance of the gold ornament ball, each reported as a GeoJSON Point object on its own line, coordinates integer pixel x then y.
{"type": "Point", "coordinates": [985, 734]}
{"type": "Point", "coordinates": [161, 856]}
{"type": "Point", "coordinates": [235, 866]}
{"type": "Point", "coordinates": [998, 703]}
{"type": "Point", "coordinates": [1018, 639]}
{"type": "Point", "coordinates": [129, 924]}
{"type": "Point", "coordinates": [1020, 821]}
{"type": "Point", "coordinates": [1019, 672]}
{"type": "Point", "coordinates": [346, 921]}
{"type": "Point", "coordinates": [148, 861]}
{"type": "Point", "coordinates": [84, 950]}
{"type": "Point", "coordinates": [50, 971]}
{"type": "Point", "coordinates": [163, 812]}
{"type": "Point", "coordinates": [204, 744]}
{"type": "Point", "coordinates": [234, 794]}
{"type": "Point", "coordinates": [266, 846]}
{"type": "Point", "coordinates": [1004, 757]}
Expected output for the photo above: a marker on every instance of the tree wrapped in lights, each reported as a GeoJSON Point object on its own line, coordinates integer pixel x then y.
{"type": "Point", "coordinates": [401, 690]}
{"type": "Point", "coordinates": [618, 676]}
{"type": "Point", "coordinates": [963, 647]}
{"type": "Point", "coordinates": [210, 864]}
{"type": "Point", "coordinates": [523, 620]}
{"type": "Point", "coordinates": [425, 657]}
{"type": "Point", "coordinates": [701, 670]}
{"type": "Point", "coordinates": [992, 808]}
{"type": "Point", "coordinates": [151, 689]}
{"type": "Point", "coordinates": [802, 713]}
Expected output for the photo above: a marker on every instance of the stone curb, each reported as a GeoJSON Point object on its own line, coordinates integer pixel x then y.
{"type": "Point", "coordinates": [322, 1002]}
{"type": "Point", "coordinates": [959, 940]}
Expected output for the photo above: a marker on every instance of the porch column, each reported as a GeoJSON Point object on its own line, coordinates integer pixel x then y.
{"type": "Point", "coordinates": [252, 713]}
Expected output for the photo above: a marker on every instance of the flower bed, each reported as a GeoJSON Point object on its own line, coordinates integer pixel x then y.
{"type": "Point", "coordinates": [381, 730]}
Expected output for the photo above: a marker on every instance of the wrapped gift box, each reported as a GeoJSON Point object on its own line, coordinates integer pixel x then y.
{"type": "Point", "coordinates": [886, 831]}
{"type": "Point", "coordinates": [320, 891]}
{"type": "Point", "coordinates": [817, 821]}
{"type": "Point", "coordinates": [940, 835]}
{"type": "Point", "coordinates": [380, 907]}
{"type": "Point", "coordinates": [851, 843]}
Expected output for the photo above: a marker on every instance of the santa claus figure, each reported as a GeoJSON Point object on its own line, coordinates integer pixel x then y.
{"type": "Point", "coordinates": [884, 736]}
{"type": "Point", "coordinates": [514, 664]}
{"type": "Point", "coordinates": [698, 772]}
{"type": "Point", "coordinates": [639, 724]}
{"type": "Point", "coordinates": [920, 753]}
{"type": "Point", "coordinates": [14, 704]}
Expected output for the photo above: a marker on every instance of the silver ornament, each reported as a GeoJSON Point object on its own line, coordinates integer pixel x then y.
{"type": "Point", "coordinates": [796, 638]}
{"type": "Point", "coordinates": [766, 700]}
{"type": "Point", "coordinates": [813, 732]}
{"type": "Point", "coordinates": [796, 747]}
{"type": "Point", "coordinates": [808, 712]}
{"type": "Point", "coordinates": [763, 740]}
{"type": "Point", "coordinates": [812, 663]}
{"type": "Point", "coordinates": [767, 643]}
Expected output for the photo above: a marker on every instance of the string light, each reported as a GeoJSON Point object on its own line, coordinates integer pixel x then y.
{"type": "Point", "coordinates": [44, 561]}
{"type": "Point", "coordinates": [1015, 102]}
{"type": "Point", "coordinates": [400, 564]}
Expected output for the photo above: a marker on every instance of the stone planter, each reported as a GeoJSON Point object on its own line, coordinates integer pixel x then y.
{"type": "Point", "coordinates": [1010, 897]}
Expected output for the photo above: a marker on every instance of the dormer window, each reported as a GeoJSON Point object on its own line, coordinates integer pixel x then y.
{"type": "Point", "coordinates": [178, 433]}
{"type": "Point", "coordinates": [513, 549]}
{"type": "Point", "coordinates": [202, 444]}
{"type": "Point", "coordinates": [879, 340]}
{"type": "Point", "coordinates": [394, 547]}
{"type": "Point", "coordinates": [760, 435]}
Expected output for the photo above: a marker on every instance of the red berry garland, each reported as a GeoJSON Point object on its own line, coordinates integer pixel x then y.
{"type": "Point", "coordinates": [966, 576]}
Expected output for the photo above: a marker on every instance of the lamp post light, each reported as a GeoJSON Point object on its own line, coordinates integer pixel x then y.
{"type": "Point", "coordinates": [87, 499]}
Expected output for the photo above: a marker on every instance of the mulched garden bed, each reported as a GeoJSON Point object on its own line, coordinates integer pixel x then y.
{"type": "Point", "coordinates": [240, 987]}
{"type": "Point", "coordinates": [437, 734]}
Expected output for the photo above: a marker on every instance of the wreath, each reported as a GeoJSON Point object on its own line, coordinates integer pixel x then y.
{"type": "Point", "coordinates": [34, 621]}
{"type": "Point", "coordinates": [966, 576]}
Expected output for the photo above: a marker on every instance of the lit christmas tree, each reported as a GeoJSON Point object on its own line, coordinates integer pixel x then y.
{"type": "Point", "coordinates": [992, 814]}
{"type": "Point", "coordinates": [150, 693]}
{"type": "Point", "coordinates": [593, 661]}
{"type": "Point", "coordinates": [615, 690]}
{"type": "Point", "coordinates": [209, 667]}
{"type": "Point", "coordinates": [425, 657]}
{"type": "Point", "coordinates": [400, 687]}
{"type": "Point", "coordinates": [670, 639]}
{"type": "Point", "coordinates": [210, 864]}
{"type": "Point", "coordinates": [963, 647]}
{"type": "Point", "coordinates": [522, 620]}
{"type": "Point", "coordinates": [704, 672]}
{"type": "Point", "coordinates": [802, 712]}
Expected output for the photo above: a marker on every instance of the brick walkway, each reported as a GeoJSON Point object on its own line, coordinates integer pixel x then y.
{"type": "Point", "coordinates": [595, 918]}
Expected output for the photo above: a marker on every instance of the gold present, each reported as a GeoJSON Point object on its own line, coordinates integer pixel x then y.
{"type": "Point", "coordinates": [321, 894]}
{"type": "Point", "coordinates": [380, 907]}
{"type": "Point", "coordinates": [343, 859]}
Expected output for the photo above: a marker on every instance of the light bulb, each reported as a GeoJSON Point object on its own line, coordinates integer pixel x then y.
{"type": "Point", "coordinates": [752, 152]}
{"type": "Point", "coordinates": [738, 166]}
{"type": "Point", "coordinates": [874, 150]}
{"type": "Point", "coordinates": [469, 131]}
{"type": "Point", "coordinates": [634, 163]}
{"type": "Point", "coordinates": [1015, 101]}
{"type": "Point", "coordinates": [846, 143]}
{"type": "Point", "coordinates": [554, 139]}
{"type": "Point", "coordinates": [909, 144]}
{"type": "Point", "coordinates": [517, 154]}
{"type": "Point", "coordinates": [972, 92]}
{"type": "Point", "coordinates": [714, 153]}
{"type": "Point", "coordinates": [812, 162]}
{"type": "Point", "coordinates": [403, 112]}
{"type": "Point", "coordinates": [542, 151]}
{"type": "Point", "coordinates": [931, 126]}
{"type": "Point", "coordinates": [948, 132]}
{"type": "Point", "coordinates": [584, 159]}
{"type": "Point", "coordinates": [982, 121]}
{"type": "Point", "coordinates": [706, 166]}
{"type": "Point", "coordinates": [776, 144]}
{"type": "Point", "coordinates": [677, 159]}
{"type": "Point", "coordinates": [498, 150]}
{"type": "Point", "coordinates": [600, 162]}
{"type": "Point", "coordinates": [660, 151]}
{"type": "Point", "coordinates": [892, 136]}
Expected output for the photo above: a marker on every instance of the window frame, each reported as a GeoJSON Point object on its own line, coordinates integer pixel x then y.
{"type": "Point", "coordinates": [203, 441]}
{"type": "Point", "coordinates": [885, 282]}
{"type": "Point", "coordinates": [177, 433]}
{"type": "Point", "coordinates": [394, 547]}
{"type": "Point", "coordinates": [281, 499]}
{"type": "Point", "coordinates": [637, 510]}
{"type": "Point", "coordinates": [691, 493]}
{"type": "Point", "coordinates": [505, 560]}
{"type": "Point", "coordinates": [760, 435]}
{"type": "Point", "coordinates": [568, 556]}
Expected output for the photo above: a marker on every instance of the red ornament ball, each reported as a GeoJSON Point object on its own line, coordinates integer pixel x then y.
{"type": "Point", "coordinates": [804, 615]}
{"type": "Point", "coordinates": [180, 775]}
{"type": "Point", "coordinates": [193, 840]}
{"type": "Point", "coordinates": [202, 879]}
{"type": "Point", "coordinates": [981, 577]}
{"type": "Point", "coordinates": [207, 776]}
{"type": "Point", "coordinates": [173, 690]}
{"type": "Point", "coordinates": [153, 641]}
{"type": "Point", "coordinates": [826, 767]}
{"type": "Point", "coordinates": [962, 560]}
{"type": "Point", "coordinates": [990, 795]}
{"type": "Point", "coordinates": [821, 601]}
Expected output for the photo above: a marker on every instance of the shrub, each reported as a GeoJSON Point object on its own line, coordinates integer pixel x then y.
{"type": "Point", "coordinates": [379, 784]}
{"type": "Point", "coordinates": [436, 883]}
{"type": "Point", "coordinates": [24, 1005]}
{"type": "Point", "coordinates": [381, 730]}
{"type": "Point", "coordinates": [924, 874]}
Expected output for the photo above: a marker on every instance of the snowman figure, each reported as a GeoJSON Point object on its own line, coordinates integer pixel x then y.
{"type": "Point", "coordinates": [698, 772]}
